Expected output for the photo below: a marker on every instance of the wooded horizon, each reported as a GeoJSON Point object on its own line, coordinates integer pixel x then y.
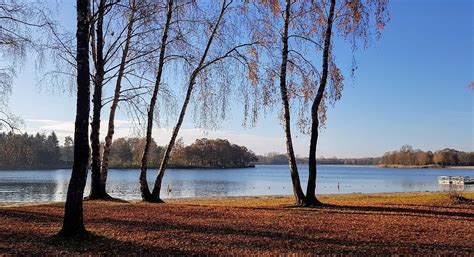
{"type": "Point", "coordinates": [44, 152]}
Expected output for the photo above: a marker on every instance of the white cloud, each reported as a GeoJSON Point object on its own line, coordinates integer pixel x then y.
{"type": "Point", "coordinates": [125, 128]}
{"type": "Point", "coordinates": [62, 128]}
{"type": "Point", "coordinates": [66, 128]}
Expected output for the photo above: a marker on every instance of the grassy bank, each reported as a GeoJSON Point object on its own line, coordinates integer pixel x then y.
{"type": "Point", "coordinates": [411, 223]}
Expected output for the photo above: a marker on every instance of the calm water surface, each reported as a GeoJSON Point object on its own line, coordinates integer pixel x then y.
{"type": "Point", "coordinates": [51, 185]}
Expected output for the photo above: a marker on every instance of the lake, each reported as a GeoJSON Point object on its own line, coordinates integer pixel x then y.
{"type": "Point", "coordinates": [51, 185]}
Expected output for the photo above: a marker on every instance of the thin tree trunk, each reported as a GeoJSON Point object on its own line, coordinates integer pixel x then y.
{"type": "Point", "coordinates": [192, 81]}
{"type": "Point", "coordinates": [144, 189]}
{"type": "Point", "coordinates": [113, 107]}
{"type": "Point", "coordinates": [95, 192]}
{"type": "Point", "coordinates": [295, 178]}
{"type": "Point", "coordinates": [169, 148]}
{"type": "Point", "coordinates": [73, 224]}
{"type": "Point", "coordinates": [311, 189]}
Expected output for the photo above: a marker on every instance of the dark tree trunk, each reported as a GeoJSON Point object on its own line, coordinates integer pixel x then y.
{"type": "Point", "coordinates": [144, 189]}
{"type": "Point", "coordinates": [295, 178]}
{"type": "Point", "coordinates": [73, 224]}
{"type": "Point", "coordinates": [118, 87]}
{"type": "Point", "coordinates": [311, 189]}
{"type": "Point", "coordinates": [96, 192]}
{"type": "Point", "coordinates": [192, 81]}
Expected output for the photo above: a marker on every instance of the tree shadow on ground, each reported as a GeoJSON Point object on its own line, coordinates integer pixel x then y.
{"type": "Point", "coordinates": [383, 209]}
{"type": "Point", "coordinates": [254, 238]}
{"type": "Point", "coordinates": [201, 235]}
{"type": "Point", "coordinates": [33, 243]}
{"type": "Point", "coordinates": [94, 243]}
{"type": "Point", "coordinates": [29, 216]}
{"type": "Point", "coordinates": [401, 210]}
{"type": "Point", "coordinates": [111, 199]}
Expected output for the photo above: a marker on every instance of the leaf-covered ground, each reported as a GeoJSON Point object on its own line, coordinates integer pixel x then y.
{"type": "Point", "coordinates": [420, 223]}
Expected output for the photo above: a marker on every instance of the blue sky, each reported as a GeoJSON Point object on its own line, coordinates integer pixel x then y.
{"type": "Point", "coordinates": [411, 87]}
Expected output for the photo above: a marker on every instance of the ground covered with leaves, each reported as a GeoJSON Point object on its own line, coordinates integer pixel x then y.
{"type": "Point", "coordinates": [415, 223]}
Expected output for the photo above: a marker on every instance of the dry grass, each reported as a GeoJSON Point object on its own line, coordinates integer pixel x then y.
{"type": "Point", "coordinates": [415, 223]}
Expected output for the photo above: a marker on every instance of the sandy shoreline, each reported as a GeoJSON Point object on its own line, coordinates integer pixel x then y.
{"type": "Point", "coordinates": [461, 168]}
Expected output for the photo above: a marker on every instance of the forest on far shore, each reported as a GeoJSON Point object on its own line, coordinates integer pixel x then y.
{"type": "Point", "coordinates": [406, 156]}
{"type": "Point", "coordinates": [40, 151]}
{"type": "Point", "coordinates": [275, 158]}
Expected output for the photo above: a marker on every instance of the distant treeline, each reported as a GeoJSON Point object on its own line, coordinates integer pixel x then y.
{"type": "Point", "coordinates": [23, 151]}
{"type": "Point", "coordinates": [406, 156]}
{"type": "Point", "coordinates": [274, 158]}
{"type": "Point", "coordinates": [40, 151]}
{"type": "Point", "coordinates": [278, 159]}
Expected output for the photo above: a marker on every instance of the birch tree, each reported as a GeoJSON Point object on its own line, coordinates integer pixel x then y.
{"type": "Point", "coordinates": [21, 26]}
{"type": "Point", "coordinates": [125, 59]}
{"type": "Point", "coordinates": [352, 21]}
{"type": "Point", "coordinates": [73, 223]}
{"type": "Point", "coordinates": [299, 31]}
{"type": "Point", "coordinates": [122, 47]}
{"type": "Point", "coordinates": [117, 56]}
{"type": "Point", "coordinates": [144, 189]}
{"type": "Point", "coordinates": [289, 67]}
{"type": "Point", "coordinates": [97, 41]}
{"type": "Point", "coordinates": [212, 51]}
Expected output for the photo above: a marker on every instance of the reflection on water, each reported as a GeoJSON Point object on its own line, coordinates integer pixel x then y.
{"type": "Point", "coordinates": [456, 187]}
{"type": "Point", "coordinates": [51, 185]}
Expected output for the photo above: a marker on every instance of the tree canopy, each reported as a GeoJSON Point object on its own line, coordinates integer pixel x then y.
{"type": "Point", "coordinates": [214, 153]}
